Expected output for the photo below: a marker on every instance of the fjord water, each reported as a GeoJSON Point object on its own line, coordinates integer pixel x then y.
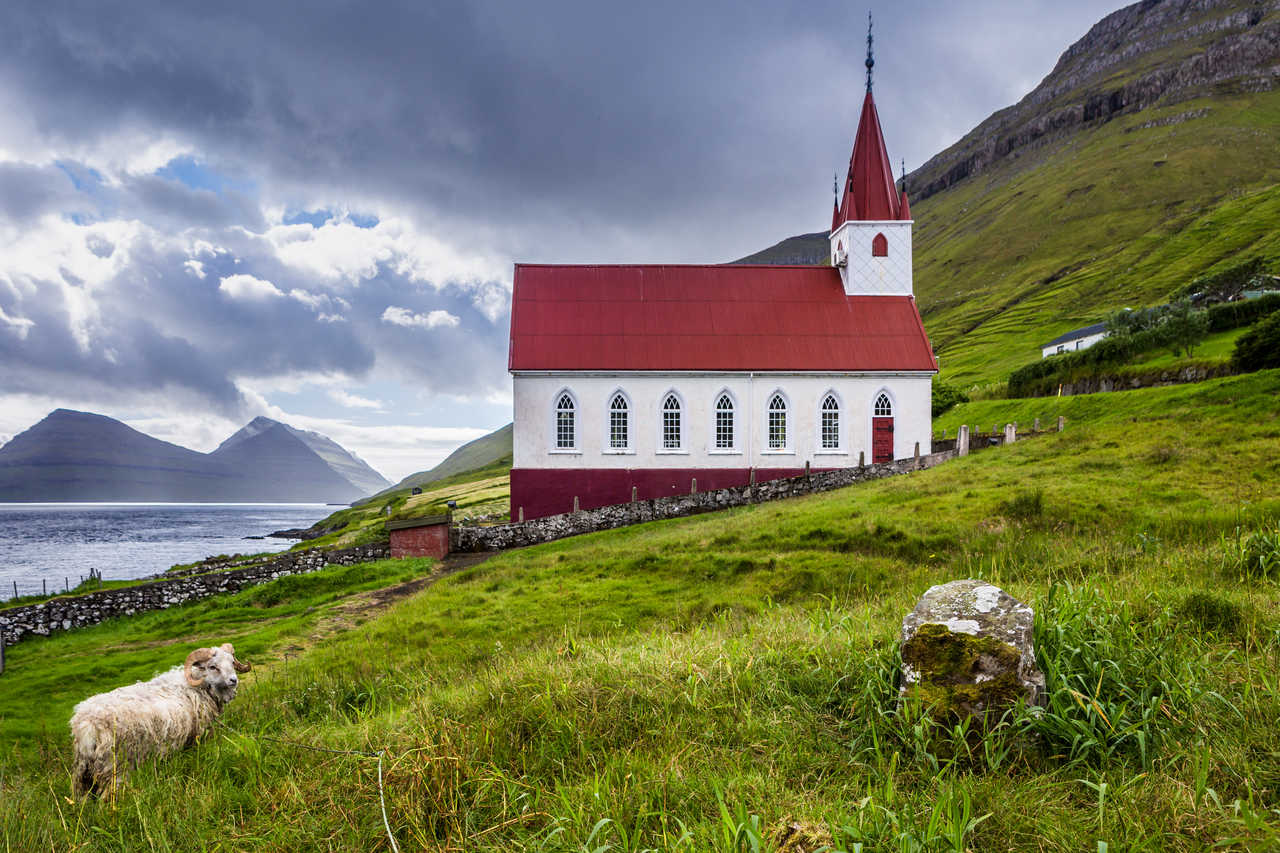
{"type": "Point", "coordinates": [53, 541]}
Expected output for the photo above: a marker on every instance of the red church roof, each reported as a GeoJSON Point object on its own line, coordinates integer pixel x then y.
{"type": "Point", "coordinates": [869, 190]}
{"type": "Point", "coordinates": [722, 317]}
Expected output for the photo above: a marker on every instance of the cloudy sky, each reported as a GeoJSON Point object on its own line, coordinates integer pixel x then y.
{"type": "Point", "coordinates": [311, 210]}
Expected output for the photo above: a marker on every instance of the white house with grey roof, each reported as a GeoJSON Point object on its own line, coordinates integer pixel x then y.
{"type": "Point", "coordinates": [1075, 340]}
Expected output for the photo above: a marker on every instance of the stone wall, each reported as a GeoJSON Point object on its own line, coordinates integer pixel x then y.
{"type": "Point", "coordinates": [1104, 382]}
{"type": "Point", "coordinates": [621, 515]}
{"type": "Point", "coordinates": [78, 611]}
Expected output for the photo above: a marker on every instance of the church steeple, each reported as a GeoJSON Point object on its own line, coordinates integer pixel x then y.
{"type": "Point", "coordinates": [870, 192]}
{"type": "Point", "coordinates": [871, 225]}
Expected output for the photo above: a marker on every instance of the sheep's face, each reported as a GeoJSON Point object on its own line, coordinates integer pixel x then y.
{"type": "Point", "coordinates": [218, 673]}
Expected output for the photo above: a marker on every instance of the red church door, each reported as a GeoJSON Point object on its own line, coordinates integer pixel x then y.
{"type": "Point", "coordinates": [882, 429]}
{"type": "Point", "coordinates": [882, 439]}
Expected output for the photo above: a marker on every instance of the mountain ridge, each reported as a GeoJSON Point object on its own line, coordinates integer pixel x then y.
{"type": "Point", "coordinates": [491, 449]}
{"type": "Point", "coordinates": [71, 455]}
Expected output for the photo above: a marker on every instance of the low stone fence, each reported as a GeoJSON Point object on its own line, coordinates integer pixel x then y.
{"type": "Point", "coordinates": [78, 611]}
{"type": "Point", "coordinates": [552, 527]}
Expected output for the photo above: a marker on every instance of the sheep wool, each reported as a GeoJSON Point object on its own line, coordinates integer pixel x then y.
{"type": "Point", "coordinates": [117, 730]}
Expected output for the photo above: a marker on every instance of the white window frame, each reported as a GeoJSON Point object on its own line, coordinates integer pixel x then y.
{"type": "Point", "coordinates": [682, 449]}
{"type": "Point", "coordinates": [576, 449]}
{"type": "Point", "coordinates": [788, 447]}
{"type": "Point", "coordinates": [735, 448]}
{"type": "Point", "coordinates": [841, 426]}
{"type": "Point", "coordinates": [608, 448]}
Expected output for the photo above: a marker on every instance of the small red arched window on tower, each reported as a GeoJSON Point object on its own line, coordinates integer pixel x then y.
{"type": "Point", "coordinates": [879, 246]}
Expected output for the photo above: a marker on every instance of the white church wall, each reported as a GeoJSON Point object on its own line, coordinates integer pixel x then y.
{"type": "Point", "coordinates": [536, 395]}
{"type": "Point", "coordinates": [865, 274]}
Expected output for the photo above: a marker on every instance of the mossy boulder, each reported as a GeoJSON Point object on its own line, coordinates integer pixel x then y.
{"type": "Point", "coordinates": [967, 649]}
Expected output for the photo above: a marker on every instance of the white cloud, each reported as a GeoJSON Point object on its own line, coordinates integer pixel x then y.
{"type": "Point", "coordinates": [195, 267]}
{"type": "Point", "coordinates": [249, 288]}
{"type": "Point", "coordinates": [353, 401]}
{"type": "Point", "coordinates": [19, 325]}
{"type": "Point", "coordinates": [398, 316]}
{"type": "Point", "coordinates": [340, 251]}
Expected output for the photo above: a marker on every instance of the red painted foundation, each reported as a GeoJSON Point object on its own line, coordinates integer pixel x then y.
{"type": "Point", "coordinates": [550, 491]}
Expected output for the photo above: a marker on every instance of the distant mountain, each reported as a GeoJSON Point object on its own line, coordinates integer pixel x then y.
{"type": "Point", "coordinates": [801, 250]}
{"type": "Point", "coordinates": [1145, 158]}
{"type": "Point", "coordinates": [486, 450]}
{"type": "Point", "coordinates": [263, 432]}
{"type": "Point", "coordinates": [79, 456]}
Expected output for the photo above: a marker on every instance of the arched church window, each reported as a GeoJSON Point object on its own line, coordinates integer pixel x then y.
{"type": "Point", "coordinates": [619, 425]}
{"type": "Point", "coordinates": [884, 408]}
{"type": "Point", "coordinates": [672, 438]}
{"type": "Point", "coordinates": [566, 427]}
{"type": "Point", "coordinates": [724, 422]}
{"type": "Point", "coordinates": [879, 246]}
{"type": "Point", "coordinates": [830, 423]}
{"type": "Point", "coordinates": [777, 422]}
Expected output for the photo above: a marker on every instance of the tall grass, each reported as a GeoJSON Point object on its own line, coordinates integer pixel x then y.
{"type": "Point", "coordinates": [730, 681]}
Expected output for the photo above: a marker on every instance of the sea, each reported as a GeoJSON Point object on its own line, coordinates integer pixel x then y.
{"type": "Point", "coordinates": [54, 545]}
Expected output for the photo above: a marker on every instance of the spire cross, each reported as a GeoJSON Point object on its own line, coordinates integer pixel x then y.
{"type": "Point", "coordinates": [904, 174]}
{"type": "Point", "coordinates": [871, 60]}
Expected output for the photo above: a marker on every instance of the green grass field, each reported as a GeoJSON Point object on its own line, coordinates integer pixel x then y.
{"type": "Point", "coordinates": [726, 682]}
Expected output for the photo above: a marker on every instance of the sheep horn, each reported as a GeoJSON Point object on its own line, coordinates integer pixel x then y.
{"type": "Point", "coordinates": [198, 656]}
{"type": "Point", "coordinates": [240, 666]}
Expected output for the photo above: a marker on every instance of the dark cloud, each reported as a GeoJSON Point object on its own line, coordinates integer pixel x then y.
{"type": "Point", "coordinates": [158, 325]}
{"type": "Point", "coordinates": [28, 191]}
{"type": "Point", "coordinates": [649, 130]}
{"type": "Point", "coordinates": [573, 131]}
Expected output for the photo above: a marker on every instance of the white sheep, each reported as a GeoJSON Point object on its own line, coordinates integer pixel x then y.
{"type": "Point", "coordinates": [119, 729]}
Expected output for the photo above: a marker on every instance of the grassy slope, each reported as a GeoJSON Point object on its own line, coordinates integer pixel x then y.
{"type": "Point", "coordinates": [485, 452]}
{"type": "Point", "coordinates": [481, 491]}
{"type": "Point", "coordinates": [1122, 215]}
{"type": "Point", "coordinates": [680, 680]}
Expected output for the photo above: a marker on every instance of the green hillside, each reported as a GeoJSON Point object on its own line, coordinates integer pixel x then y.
{"type": "Point", "coordinates": [487, 451]}
{"type": "Point", "coordinates": [1119, 217]}
{"type": "Point", "coordinates": [727, 682]}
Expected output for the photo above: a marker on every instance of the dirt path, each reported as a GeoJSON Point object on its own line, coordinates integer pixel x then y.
{"type": "Point", "coordinates": [360, 607]}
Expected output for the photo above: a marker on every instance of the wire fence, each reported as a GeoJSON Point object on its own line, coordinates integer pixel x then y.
{"type": "Point", "coordinates": [48, 586]}
{"type": "Point", "coordinates": [382, 798]}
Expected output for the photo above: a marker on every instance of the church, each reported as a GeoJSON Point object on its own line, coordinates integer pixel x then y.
{"type": "Point", "coordinates": [648, 381]}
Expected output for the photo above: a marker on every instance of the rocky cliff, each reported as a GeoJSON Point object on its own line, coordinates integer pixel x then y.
{"type": "Point", "coordinates": [1153, 53]}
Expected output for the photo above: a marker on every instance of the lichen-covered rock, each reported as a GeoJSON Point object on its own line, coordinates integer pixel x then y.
{"type": "Point", "coordinates": [967, 649]}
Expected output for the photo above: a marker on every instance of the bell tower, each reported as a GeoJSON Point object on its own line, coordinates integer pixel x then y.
{"type": "Point", "coordinates": [871, 224]}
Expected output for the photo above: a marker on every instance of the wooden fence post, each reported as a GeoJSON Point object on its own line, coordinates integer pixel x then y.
{"type": "Point", "coordinates": [1062, 423]}
{"type": "Point", "coordinates": [575, 503]}
{"type": "Point", "coordinates": [693, 487]}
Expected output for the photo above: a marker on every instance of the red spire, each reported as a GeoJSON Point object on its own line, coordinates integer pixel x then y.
{"type": "Point", "coordinates": [870, 192]}
{"type": "Point", "coordinates": [904, 209]}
